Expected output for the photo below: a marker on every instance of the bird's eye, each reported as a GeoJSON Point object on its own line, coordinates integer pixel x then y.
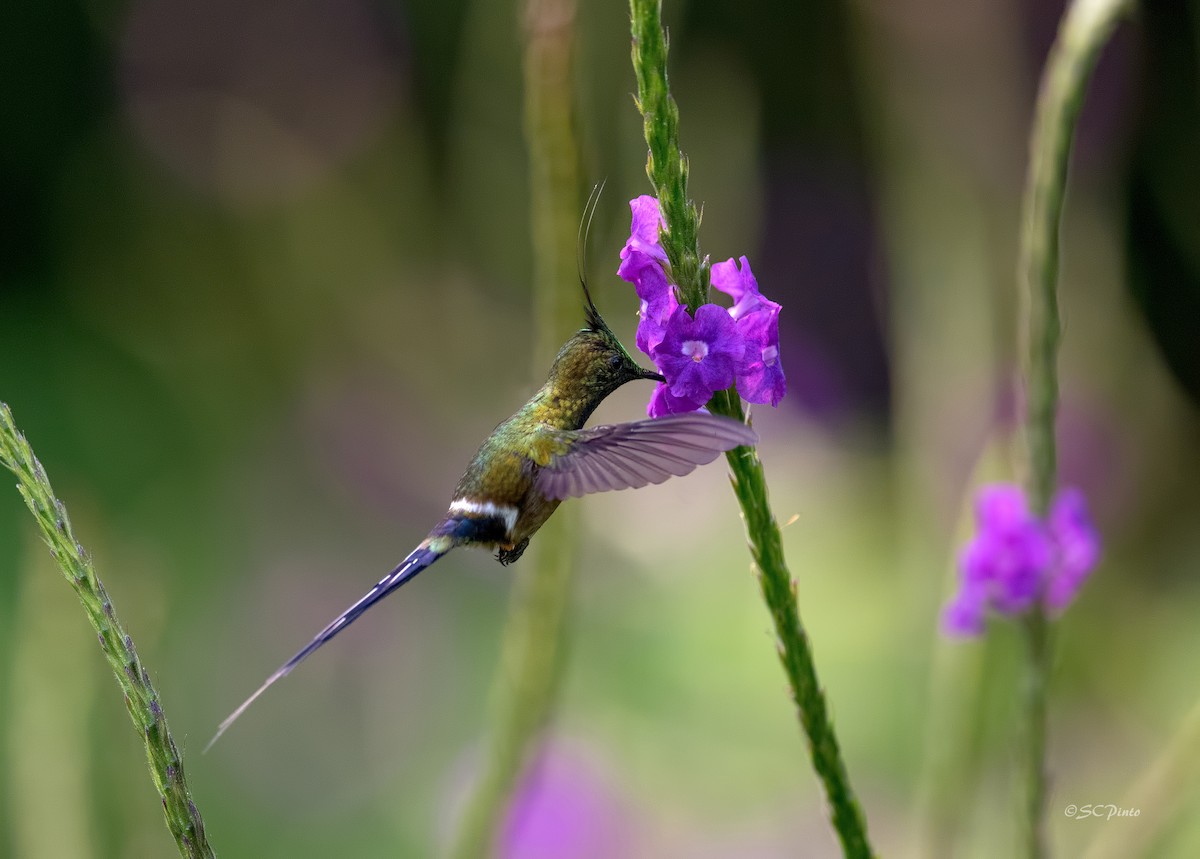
{"type": "Point", "coordinates": [614, 361]}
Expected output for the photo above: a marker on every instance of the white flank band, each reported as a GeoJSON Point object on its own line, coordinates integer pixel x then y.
{"type": "Point", "coordinates": [486, 508]}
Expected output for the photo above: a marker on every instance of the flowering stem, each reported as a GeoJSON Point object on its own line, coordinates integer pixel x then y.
{"type": "Point", "coordinates": [666, 165]}
{"type": "Point", "coordinates": [166, 767]}
{"type": "Point", "coordinates": [532, 652]}
{"type": "Point", "coordinates": [1085, 29]}
{"type": "Point", "coordinates": [668, 170]}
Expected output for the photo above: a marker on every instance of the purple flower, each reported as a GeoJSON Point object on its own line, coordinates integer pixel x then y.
{"type": "Point", "coordinates": [701, 355]}
{"type": "Point", "coordinates": [652, 326]}
{"type": "Point", "coordinates": [642, 264]}
{"type": "Point", "coordinates": [965, 613]}
{"type": "Point", "coordinates": [663, 402]}
{"type": "Point", "coordinates": [1078, 545]}
{"type": "Point", "coordinates": [741, 285]}
{"type": "Point", "coordinates": [760, 378]}
{"type": "Point", "coordinates": [1010, 551]}
{"type": "Point", "coordinates": [643, 232]}
{"type": "Point", "coordinates": [650, 281]}
{"type": "Point", "coordinates": [564, 809]}
{"type": "Point", "coordinates": [1015, 559]}
{"type": "Point", "coordinates": [705, 354]}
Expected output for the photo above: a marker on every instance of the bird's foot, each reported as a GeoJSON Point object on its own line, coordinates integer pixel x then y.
{"type": "Point", "coordinates": [507, 556]}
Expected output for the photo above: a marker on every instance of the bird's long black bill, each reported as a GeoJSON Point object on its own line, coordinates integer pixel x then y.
{"type": "Point", "coordinates": [420, 559]}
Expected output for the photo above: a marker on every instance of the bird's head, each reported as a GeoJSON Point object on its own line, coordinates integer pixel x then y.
{"type": "Point", "coordinates": [594, 361]}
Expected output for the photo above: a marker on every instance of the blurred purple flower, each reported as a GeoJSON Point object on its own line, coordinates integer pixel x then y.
{"type": "Point", "coordinates": [700, 355]}
{"type": "Point", "coordinates": [964, 614]}
{"type": "Point", "coordinates": [1078, 545]}
{"type": "Point", "coordinates": [1015, 559]}
{"type": "Point", "coordinates": [561, 810]}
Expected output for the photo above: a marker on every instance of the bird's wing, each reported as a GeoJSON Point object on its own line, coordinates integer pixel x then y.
{"type": "Point", "coordinates": [627, 456]}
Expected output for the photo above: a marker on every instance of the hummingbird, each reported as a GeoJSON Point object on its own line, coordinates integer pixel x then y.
{"type": "Point", "coordinates": [541, 456]}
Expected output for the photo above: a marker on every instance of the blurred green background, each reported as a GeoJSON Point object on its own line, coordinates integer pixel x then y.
{"type": "Point", "coordinates": [264, 287]}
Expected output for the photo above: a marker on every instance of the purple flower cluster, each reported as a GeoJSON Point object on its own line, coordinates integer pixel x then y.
{"type": "Point", "coordinates": [717, 347]}
{"type": "Point", "coordinates": [1016, 559]}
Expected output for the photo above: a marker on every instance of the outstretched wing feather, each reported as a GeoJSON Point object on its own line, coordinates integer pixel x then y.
{"type": "Point", "coordinates": [632, 455]}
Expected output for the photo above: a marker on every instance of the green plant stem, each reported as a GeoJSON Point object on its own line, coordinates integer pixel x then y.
{"type": "Point", "coordinates": [668, 172]}
{"type": "Point", "coordinates": [166, 767]}
{"type": "Point", "coordinates": [1085, 29]}
{"type": "Point", "coordinates": [534, 644]}
{"type": "Point", "coordinates": [666, 164]}
{"type": "Point", "coordinates": [1037, 645]}
{"type": "Point", "coordinates": [795, 651]}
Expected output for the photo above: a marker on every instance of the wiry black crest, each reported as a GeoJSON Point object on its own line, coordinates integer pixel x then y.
{"type": "Point", "coordinates": [594, 321]}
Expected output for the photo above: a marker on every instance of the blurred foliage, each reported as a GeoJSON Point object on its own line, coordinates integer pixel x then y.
{"type": "Point", "coordinates": [264, 286]}
{"type": "Point", "coordinates": [1162, 216]}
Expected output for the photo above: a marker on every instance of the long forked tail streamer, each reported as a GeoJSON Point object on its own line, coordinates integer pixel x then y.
{"type": "Point", "coordinates": [421, 557]}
